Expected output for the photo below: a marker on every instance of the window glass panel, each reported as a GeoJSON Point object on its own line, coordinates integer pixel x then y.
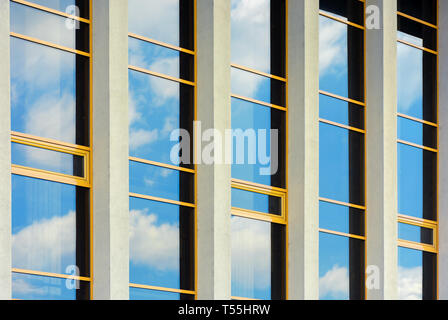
{"type": "Point", "coordinates": [160, 182]}
{"type": "Point", "coordinates": [155, 106]}
{"type": "Point", "coordinates": [416, 274]}
{"type": "Point", "coordinates": [161, 244]}
{"type": "Point", "coordinates": [341, 267]}
{"type": "Point", "coordinates": [48, 160]}
{"type": "Point", "coordinates": [417, 194]}
{"type": "Point", "coordinates": [416, 132]}
{"type": "Point", "coordinates": [417, 33]}
{"type": "Point", "coordinates": [65, 6]}
{"type": "Point", "coordinates": [334, 77]}
{"type": "Point", "coordinates": [49, 226]}
{"type": "Point", "coordinates": [341, 218]}
{"type": "Point", "coordinates": [169, 21]}
{"type": "Point", "coordinates": [48, 27]}
{"type": "Point", "coordinates": [31, 287]}
{"type": "Point", "coordinates": [144, 294]}
{"type": "Point", "coordinates": [256, 202]}
{"type": "Point", "coordinates": [425, 10]}
{"type": "Point", "coordinates": [340, 111]}
{"type": "Point", "coordinates": [49, 92]}
{"type": "Point", "coordinates": [256, 259]}
{"type": "Point", "coordinates": [263, 159]}
{"type": "Point", "coordinates": [347, 10]}
{"type": "Point", "coordinates": [415, 233]}
{"type": "Point", "coordinates": [258, 87]}
{"type": "Point", "coordinates": [341, 164]}
{"type": "Point", "coordinates": [159, 59]}
{"type": "Point", "coordinates": [417, 73]}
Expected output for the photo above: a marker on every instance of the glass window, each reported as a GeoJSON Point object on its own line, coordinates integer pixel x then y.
{"type": "Point", "coordinates": [416, 132]}
{"type": "Point", "coordinates": [425, 10]}
{"type": "Point", "coordinates": [82, 9]}
{"type": "Point", "coordinates": [145, 294]}
{"type": "Point", "coordinates": [341, 218]}
{"type": "Point", "coordinates": [414, 233]}
{"type": "Point", "coordinates": [347, 10]}
{"type": "Point", "coordinates": [340, 111]}
{"type": "Point", "coordinates": [256, 202]}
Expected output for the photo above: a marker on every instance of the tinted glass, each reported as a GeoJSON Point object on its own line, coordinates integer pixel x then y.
{"type": "Point", "coordinates": [416, 132]}
{"type": "Point", "coordinates": [414, 233]}
{"type": "Point", "coordinates": [144, 294]}
{"type": "Point", "coordinates": [340, 111]}
{"type": "Point", "coordinates": [347, 10]}
{"type": "Point", "coordinates": [341, 218]}
{"type": "Point", "coordinates": [256, 202]}
{"type": "Point", "coordinates": [425, 10]}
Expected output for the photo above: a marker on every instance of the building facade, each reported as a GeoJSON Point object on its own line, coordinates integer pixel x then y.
{"type": "Point", "coordinates": [223, 149]}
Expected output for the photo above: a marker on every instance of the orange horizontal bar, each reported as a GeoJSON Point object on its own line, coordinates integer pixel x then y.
{"type": "Point", "coordinates": [147, 287]}
{"type": "Point", "coordinates": [161, 75]}
{"type": "Point", "coordinates": [345, 204]}
{"type": "Point", "coordinates": [162, 165]}
{"type": "Point", "coordinates": [237, 183]}
{"type": "Point", "coordinates": [269, 105]}
{"type": "Point", "coordinates": [244, 299]}
{"type": "Point", "coordinates": [404, 15]}
{"type": "Point", "coordinates": [341, 20]}
{"type": "Point", "coordinates": [49, 44]}
{"type": "Point", "coordinates": [429, 123]}
{"type": "Point", "coordinates": [416, 246]}
{"type": "Point", "coordinates": [417, 221]}
{"type": "Point", "coordinates": [50, 10]}
{"type": "Point", "coordinates": [49, 176]}
{"type": "Point", "coordinates": [179, 203]}
{"type": "Point", "coordinates": [417, 47]}
{"type": "Point", "coordinates": [343, 234]}
{"type": "Point", "coordinates": [160, 43]}
{"type": "Point", "coordinates": [49, 274]}
{"type": "Point", "coordinates": [260, 216]}
{"type": "Point", "coordinates": [417, 146]}
{"type": "Point", "coordinates": [336, 124]}
{"type": "Point", "coordinates": [49, 141]}
{"type": "Point", "coordinates": [359, 103]}
{"type": "Point", "coordinates": [260, 73]}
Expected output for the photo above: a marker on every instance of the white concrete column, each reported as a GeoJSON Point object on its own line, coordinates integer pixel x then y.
{"type": "Point", "coordinates": [443, 150]}
{"type": "Point", "coordinates": [213, 181]}
{"type": "Point", "coordinates": [381, 148]}
{"type": "Point", "coordinates": [110, 150]}
{"type": "Point", "coordinates": [5, 155]}
{"type": "Point", "coordinates": [303, 147]}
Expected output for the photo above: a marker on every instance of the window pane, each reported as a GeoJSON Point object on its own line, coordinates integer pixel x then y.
{"type": "Point", "coordinates": [161, 244]}
{"type": "Point", "coordinates": [416, 274]}
{"type": "Point", "coordinates": [144, 294]}
{"type": "Point", "coordinates": [414, 233]}
{"type": "Point", "coordinates": [257, 156]}
{"type": "Point", "coordinates": [48, 27]}
{"type": "Point", "coordinates": [256, 202]}
{"type": "Point", "coordinates": [340, 111]}
{"type": "Point", "coordinates": [31, 287]}
{"type": "Point", "coordinates": [160, 182]}
{"type": "Point", "coordinates": [49, 226]}
{"type": "Point", "coordinates": [49, 92]}
{"type": "Point", "coordinates": [169, 21]}
{"type": "Point", "coordinates": [48, 160]}
{"type": "Point", "coordinates": [341, 267]}
{"type": "Point", "coordinates": [417, 186]}
{"type": "Point", "coordinates": [417, 33]}
{"type": "Point", "coordinates": [257, 259]}
{"type": "Point", "coordinates": [425, 10]}
{"type": "Point", "coordinates": [65, 6]}
{"type": "Point", "coordinates": [348, 10]}
{"type": "Point", "coordinates": [156, 58]}
{"type": "Point", "coordinates": [341, 218]}
{"type": "Point", "coordinates": [155, 109]}
{"type": "Point", "coordinates": [336, 39]}
{"type": "Point", "coordinates": [416, 132]}
{"type": "Point", "coordinates": [341, 164]}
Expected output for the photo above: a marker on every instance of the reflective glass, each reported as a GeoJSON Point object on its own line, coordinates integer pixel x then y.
{"type": "Point", "coordinates": [340, 111]}
{"type": "Point", "coordinates": [417, 33]}
{"type": "Point", "coordinates": [336, 40]}
{"type": "Point", "coordinates": [256, 158]}
{"type": "Point", "coordinates": [341, 175]}
{"type": "Point", "coordinates": [417, 74]}
{"type": "Point", "coordinates": [144, 294]}
{"type": "Point", "coordinates": [341, 267]}
{"type": "Point", "coordinates": [258, 87]}
{"type": "Point", "coordinates": [31, 287]}
{"type": "Point", "coordinates": [159, 59]}
{"type": "Point", "coordinates": [49, 27]}
{"type": "Point", "coordinates": [169, 21]}
{"type": "Point", "coordinates": [415, 233]}
{"type": "Point", "coordinates": [160, 182]}
{"type": "Point", "coordinates": [155, 106]}
{"type": "Point", "coordinates": [257, 262]}
{"type": "Point", "coordinates": [416, 274]}
{"type": "Point", "coordinates": [49, 92]}
{"type": "Point", "coordinates": [256, 202]}
{"type": "Point", "coordinates": [341, 218]}
{"type": "Point", "coordinates": [347, 10]}
{"type": "Point", "coordinates": [161, 244]}
{"type": "Point", "coordinates": [416, 132]}
{"type": "Point", "coordinates": [417, 184]}
{"type": "Point", "coordinates": [48, 160]}
{"type": "Point", "coordinates": [82, 9]}
{"type": "Point", "coordinates": [49, 226]}
{"type": "Point", "coordinates": [425, 10]}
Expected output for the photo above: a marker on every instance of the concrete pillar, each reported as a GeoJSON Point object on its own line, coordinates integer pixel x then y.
{"type": "Point", "coordinates": [381, 149]}
{"type": "Point", "coordinates": [443, 150]}
{"type": "Point", "coordinates": [213, 181]}
{"type": "Point", "coordinates": [303, 147]}
{"type": "Point", "coordinates": [110, 150]}
{"type": "Point", "coordinates": [5, 155]}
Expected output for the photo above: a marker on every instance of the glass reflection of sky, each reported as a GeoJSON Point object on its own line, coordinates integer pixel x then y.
{"type": "Point", "coordinates": [337, 218]}
{"type": "Point", "coordinates": [61, 5]}
{"type": "Point", "coordinates": [43, 91]}
{"type": "Point", "coordinates": [411, 233]}
{"type": "Point", "coordinates": [247, 115]}
{"type": "Point", "coordinates": [410, 274]}
{"type": "Point", "coordinates": [415, 132]}
{"type": "Point", "coordinates": [256, 201]}
{"type": "Point", "coordinates": [154, 244]}
{"type": "Point", "coordinates": [251, 258]}
{"type": "Point", "coordinates": [143, 294]}
{"type": "Point", "coordinates": [43, 225]}
{"type": "Point", "coordinates": [339, 111]}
